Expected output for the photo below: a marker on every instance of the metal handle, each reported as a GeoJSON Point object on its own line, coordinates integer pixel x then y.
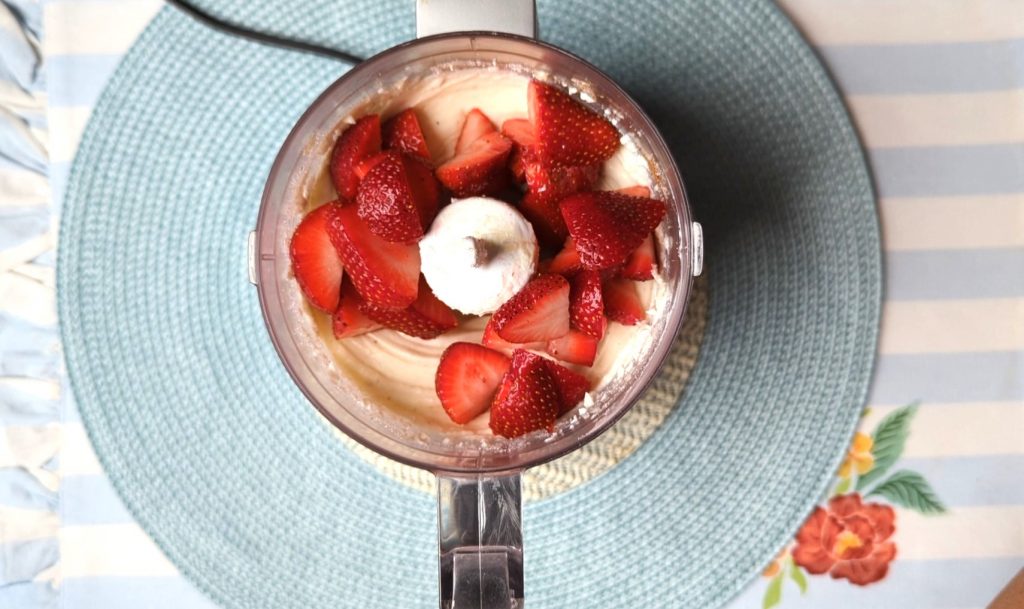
{"type": "Point", "coordinates": [480, 542]}
{"type": "Point", "coordinates": [506, 16]}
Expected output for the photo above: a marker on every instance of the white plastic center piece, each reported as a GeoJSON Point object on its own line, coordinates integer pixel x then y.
{"type": "Point", "coordinates": [478, 253]}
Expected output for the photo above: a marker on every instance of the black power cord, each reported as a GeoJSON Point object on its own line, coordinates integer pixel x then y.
{"type": "Point", "coordinates": [268, 39]}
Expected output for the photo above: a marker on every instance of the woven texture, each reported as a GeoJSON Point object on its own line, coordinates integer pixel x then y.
{"type": "Point", "coordinates": [235, 476]}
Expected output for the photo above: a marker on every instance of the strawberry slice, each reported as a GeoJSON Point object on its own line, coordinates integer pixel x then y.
{"type": "Point", "coordinates": [367, 164]}
{"type": "Point", "coordinates": [385, 274]}
{"type": "Point", "coordinates": [607, 227]}
{"type": "Point", "coordinates": [546, 218]}
{"type": "Point", "coordinates": [425, 318]}
{"type": "Point", "coordinates": [402, 132]}
{"type": "Point", "coordinates": [635, 191]}
{"type": "Point", "coordinates": [479, 169]}
{"type": "Point", "coordinates": [398, 198]}
{"type": "Point", "coordinates": [492, 340]}
{"type": "Point", "coordinates": [474, 127]}
{"type": "Point", "coordinates": [586, 306]}
{"type": "Point", "coordinates": [640, 264]}
{"type": "Point", "coordinates": [467, 378]}
{"type": "Point", "coordinates": [568, 133]}
{"type": "Point", "coordinates": [349, 319]}
{"type": "Point", "coordinates": [539, 312]}
{"type": "Point", "coordinates": [566, 262]}
{"type": "Point", "coordinates": [555, 183]}
{"type": "Point", "coordinates": [520, 131]}
{"type": "Point", "coordinates": [528, 398]}
{"type": "Point", "coordinates": [575, 347]}
{"type": "Point", "coordinates": [571, 385]}
{"type": "Point", "coordinates": [622, 303]}
{"type": "Point", "coordinates": [315, 263]}
{"type": "Point", "coordinates": [356, 144]}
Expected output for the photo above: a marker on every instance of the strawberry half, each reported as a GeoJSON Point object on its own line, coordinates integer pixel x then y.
{"type": "Point", "coordinates": [479, 169]}
{"type": "Point", "coordinates": [385, 274]}
{"type": "Point", "coordinates": [425, 318]}
{"type": "Point", "coordinates": [528, 398]}
{"type": "Point", "coordinates": [315, 263]}
{"type": "Point", "coordinates": [467, 378]}
{"type": "Point", "coordinates": [571, 385]}
{"type": "Point", "coordinates": [575, 347]}
{"type": "Point", "coordinates": [492, 340]}
{"type": "Point", "coordinates": [402, 133]}
{"type": "Point", "coordinates": [474, 127]}
{"type": "Point", "coordinates": [520, 131]}
{"type": "Point", "coordinates": [539, 312]}
{"type": "Point", "coordinates": [635, 191]}
{"type": "Point", "coordinates": [349, 319]}
{"type": "Point", "coordinates": [640, 264]}
{"type": "Point", "coordinates": [356, 144]}
{"type": "Point", "coordinates": [546, 218]}
{"type": "Point", "coordinates": [555, 183]}
{"type": "Point", "coordinates": [586, 306]}
{"type": "Point", "coordinates": [622, 303]}
{"type": "Point", "coordinates": [367, 164]}
{"type": "Point", "coordinates": [566, 262]}
{"type": "Point", "coordinates": [568, 133]}
{"type": "Point", "coordinates": [398, 198]}
{"type": "Point", "coordinates": [607, 227]}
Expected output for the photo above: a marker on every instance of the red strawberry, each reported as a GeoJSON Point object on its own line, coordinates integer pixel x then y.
{"type": "Point", "coordinates": [640, 264]}
{"type": "Point", "coordinates": [315, 263]}
{"type": "Point", "coordinates": [385, 274]}
{"type": "Point", "coordinates": [426, 318]}
{"type": "Point", "coordinates": [546, 218]}
{"type": "Point", "coordinates": [635, 191]}
{"type": "Point", "coordinates": [586, 307]}
{"type": "Point", "coordinates": [480, 169]}
{"type": "Point", "coordinates": [349, 319]}
{"type": "Point", "coordinates": [520, 131]}
{"type": "Point", "coordinates": [622, 303]}
{"type": "Point", "coordinates": [540, 311]}
{"type": "Point", "coordinates": [528, 398]}
{"type": "Point", "coordinates": [402, 132]}
{"type": "Point", "coordinates": [566, 262]}
{"type": "Point", "coordinates": [357, 143]}
{"type": "Point", "coordinates": [398, 198]}
{"type": "Point", "coordinates": [568, 133]}
{"type": "Point", "coordinates": [467, 378]}
{"type": "Point", "coordinates": [571, 386]}
{"type": "Point", "coordinates": [555, 183]}
{"type": "Point", "coordinates": [575, 347]}
{"type": "Point", "coordinates": [492, 340]}
{"type": "Point", "coordinates": [474, 127]}
{"type": "Point", "coordinates": [607, 227]}
{"type": "Point", "coordinates": [367, 164]}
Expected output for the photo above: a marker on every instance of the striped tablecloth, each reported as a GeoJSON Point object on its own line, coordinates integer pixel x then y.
{"type": "Point", "coordinates": [937, 91]}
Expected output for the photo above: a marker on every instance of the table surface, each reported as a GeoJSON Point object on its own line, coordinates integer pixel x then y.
{"type": "Point", "coordinates": [937, 93]}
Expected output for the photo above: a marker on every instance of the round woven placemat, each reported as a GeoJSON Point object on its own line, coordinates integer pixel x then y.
{"type": "Point", "coordinates": [234, 475]}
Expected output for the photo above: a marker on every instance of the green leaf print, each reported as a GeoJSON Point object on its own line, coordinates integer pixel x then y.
{"type": "Point", "coordinates": [842, 487]}
{"type": "Point", "coordinates": [910, 490]}
{"type": "Point", "coordinates": [773, 594]}
{"type": "Point", "coordinates": [889, 438]}
{"type": "Point", "coordinates": [797, 574]}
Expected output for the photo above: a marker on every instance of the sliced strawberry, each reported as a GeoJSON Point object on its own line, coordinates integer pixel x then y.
{"type": "Point", "coordinates": [349, 319]}
{"type": "Point", "coordinates": [402, 132]}
{"type": "Point", "coordinates": [517, 164]}
{"type": "Point", "coordinates": [398, 198]}
{"type": "Point", "coordinates": [607, 227]}
{"type": "Point", "coordinates": [575, 347]}
{"type": "Point", "coordinates": [492, 340]}
{"type": "Point", "coordinates": [622, 303]}
{"type": "Point", "coordinates": [528, 398]}
{"type": "Point", "coordinates": [385, 274]}
{"type": "Point", "coordinates": [586, 306]}
{"type": "Point", "coordinates": [426, 318]}
{"type": "Point", "coordinates": [568, 133]}
{"type": "Point", "coordinates": [555, 183]}
{"type": "Point", "coordinates": [546, 218]}
{"type": "Point", "coordinates": [640, 264]}
{"type": "Point", "coordinates": [480, 169]}
{"type": "Point", "coordinates": [315, 263]}
{"type": "Point", "coordinates": [635, 191]}
{"type": "Point", "coordinates": [367, 164]}
{"type": "Point", "coordinates": [520, 131]}
{"type": "Point", "coordinates": [540, 311]}
{"type": "Point", "coordinates": [356, 144]}
{"type": "Point", "coordinates": [571, 385]}
{"type": "Point", "coordinates": [566, 262]}
{"type": "Point", "coordinates": [467, 378]}
{"type": "Point", "coordinates": [474, 127]}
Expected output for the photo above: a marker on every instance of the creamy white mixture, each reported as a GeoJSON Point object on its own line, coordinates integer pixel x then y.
{"type": "Point", "coordinates": [396, 371]}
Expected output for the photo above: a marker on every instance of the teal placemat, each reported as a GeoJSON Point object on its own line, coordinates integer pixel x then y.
{"type": "Point", "coordinates": [220, 459]}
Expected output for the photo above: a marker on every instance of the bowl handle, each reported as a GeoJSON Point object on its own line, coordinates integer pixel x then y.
{"type": "Point", "coordinates": [506, 16]}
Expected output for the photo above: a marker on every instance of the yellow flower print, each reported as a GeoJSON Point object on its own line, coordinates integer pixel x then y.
{"type": "Point", "coordinates": [859, 457]}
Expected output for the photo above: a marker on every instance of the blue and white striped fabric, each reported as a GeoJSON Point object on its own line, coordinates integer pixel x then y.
{"type": "Point", "coordinates": [937, 92]}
